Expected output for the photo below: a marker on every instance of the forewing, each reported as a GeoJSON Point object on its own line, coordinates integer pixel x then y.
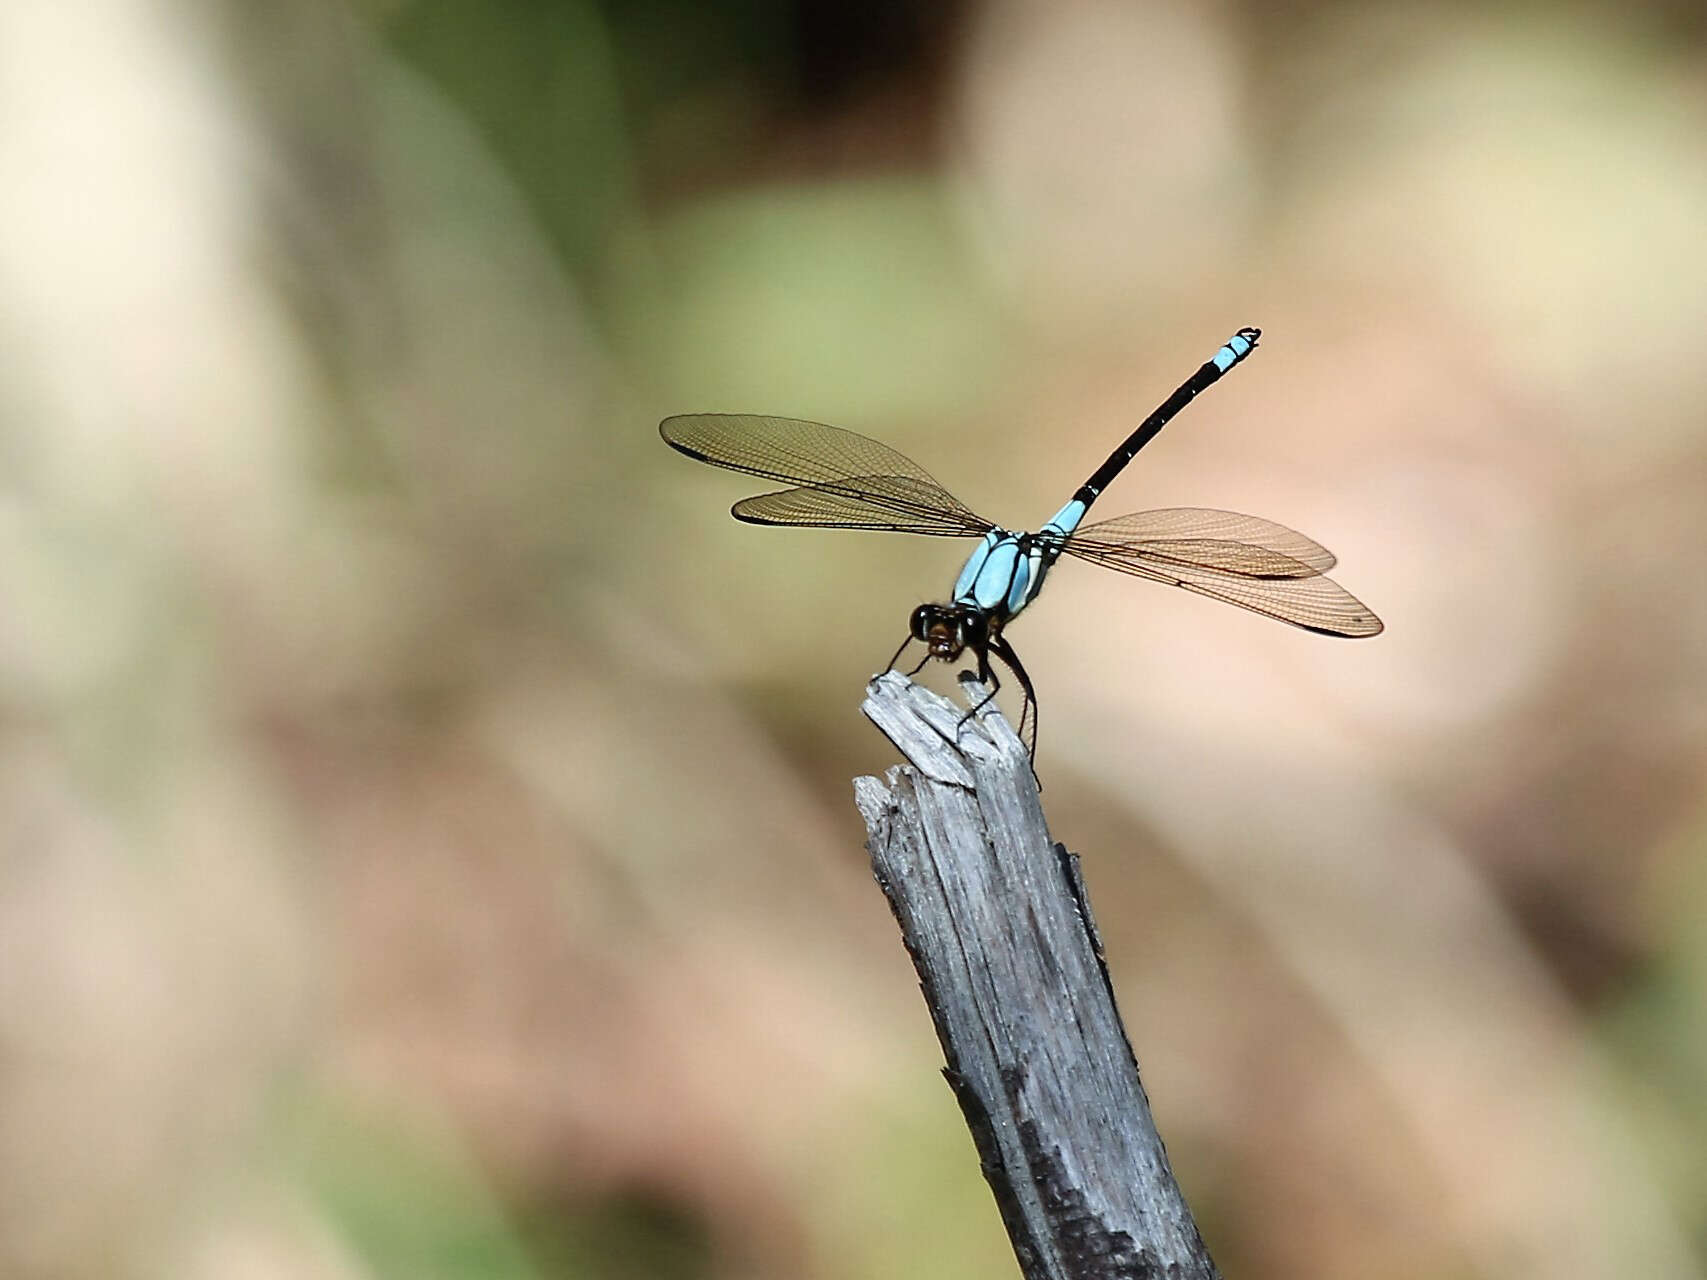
{"type": "Point", "coordinates": [847, 480]}
{"type": "Point", "coordinates": [1224, 540]}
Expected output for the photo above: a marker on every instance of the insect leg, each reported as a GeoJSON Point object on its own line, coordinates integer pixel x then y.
{"type": "Point", "coordinates": [1005, 651]}
{"type": "Point", "coordinates": [988, 678]}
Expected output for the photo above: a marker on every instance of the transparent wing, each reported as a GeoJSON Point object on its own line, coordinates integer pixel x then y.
{"type": "Point", "coordinates": [1209, 539]}
{"type": "Point", "coordinates": [846, 480]}
{"type": "Point", "coordinates": [1266, 568]}
{"type": "Point", "coordinates": [896, 504]}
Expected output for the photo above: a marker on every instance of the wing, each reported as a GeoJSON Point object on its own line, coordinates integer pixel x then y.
{"type": "Point", "coordinates": [897, 504]}
{"type": "Point", "coordinates": [1214, 539]}
{"type": "Point", "coordinates": [1255, 564]}
{"type": "Point", "coordinates": [846, 481]}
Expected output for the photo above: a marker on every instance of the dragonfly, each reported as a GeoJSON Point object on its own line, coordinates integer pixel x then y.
{"type": "Point", "coordinates": [840, 480]}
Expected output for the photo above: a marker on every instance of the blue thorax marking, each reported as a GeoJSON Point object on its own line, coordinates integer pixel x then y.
{"type": "Point", "coordinates": [1005, 571]}
{"type": "Point", "coordinates": [992, 571]}
{"type": "Point", "coordinates": [996, 574]}
{"type": "Point", "coordinates": [975, 564]}
{"type": "Point", "coordinates": [1017, 594]}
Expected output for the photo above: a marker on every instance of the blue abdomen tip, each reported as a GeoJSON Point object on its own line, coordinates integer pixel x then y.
{"type": "Point", "coordinates": [1240, 345]}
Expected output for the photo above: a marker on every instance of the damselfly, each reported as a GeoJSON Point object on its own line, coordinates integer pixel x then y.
{"type": "Point", "coordinates": [845, 481]}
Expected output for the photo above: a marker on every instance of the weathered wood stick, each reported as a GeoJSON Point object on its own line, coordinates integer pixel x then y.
{"type": "Point", "coordinates": [999, 927]}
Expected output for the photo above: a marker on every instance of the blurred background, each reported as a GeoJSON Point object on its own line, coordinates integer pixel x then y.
{"type": "Point", "coordinates": [428, 847]}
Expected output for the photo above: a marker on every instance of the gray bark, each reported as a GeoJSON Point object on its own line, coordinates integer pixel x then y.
{"type": "Point", "coordinates": [999, 927]}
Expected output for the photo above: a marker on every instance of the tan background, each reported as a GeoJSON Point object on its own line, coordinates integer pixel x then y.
{"type": "Point", "coordinates": [426, 846]}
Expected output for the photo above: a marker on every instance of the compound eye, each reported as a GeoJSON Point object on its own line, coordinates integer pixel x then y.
{"type": "Point", "coordinates": [920, 623]}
